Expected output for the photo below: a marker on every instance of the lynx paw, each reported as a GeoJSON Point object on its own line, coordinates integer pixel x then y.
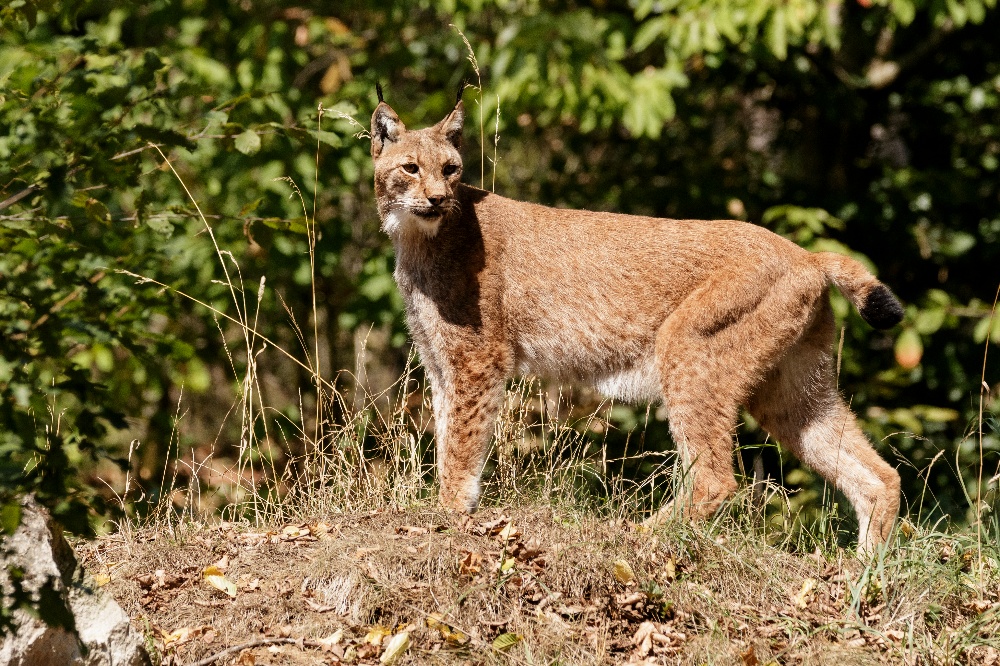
{"type": "Point", "coordinates": [461, 496]}
{"type": "Point", "coordinates": [669, 512]}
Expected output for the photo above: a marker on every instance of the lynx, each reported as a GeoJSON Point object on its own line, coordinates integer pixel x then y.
{"type": "Point", "coordinates": [707, 316]}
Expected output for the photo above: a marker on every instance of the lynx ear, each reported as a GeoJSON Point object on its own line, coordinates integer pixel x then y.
{"type": "Point", "coordinates": [451, 126]}
{"type": "Point", "coordinates": [386, 127]}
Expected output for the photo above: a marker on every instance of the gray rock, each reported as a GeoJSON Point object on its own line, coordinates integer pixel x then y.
{"type": "Point", "coordinates": [85, 627]}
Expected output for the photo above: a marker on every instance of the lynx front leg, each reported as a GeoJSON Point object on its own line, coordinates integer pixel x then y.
{"type": "Point", "coordinates": [465, 411]}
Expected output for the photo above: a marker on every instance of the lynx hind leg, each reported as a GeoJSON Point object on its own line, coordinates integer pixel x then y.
{"type": "Point", "coordinates": [800, 406]}
{"type": "Point", "coordinates": [465, 412]}
{"type": "Point", "coordinates": [712, 351]}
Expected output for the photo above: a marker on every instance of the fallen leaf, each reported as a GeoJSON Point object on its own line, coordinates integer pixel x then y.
{"type": "Point", "coordinates": [494, 526]}
{"type": "Point", "coordinates": [977, 605]}
{"type": "Point", "coordinates": [293, 532]}
{"type": "Point", "coordinates": [749, 657]}
{"type": "Point", "coordinates": [213, 576]}
{"type": "Point", "coordinates": [629, 599]}
{"type": "Point", "coordinates": [395, 648]}
{"type": "Point", "coordinates": [181, 636]}
{"type": "Point", "coordinates": [571, 610]}
{"type": "Point", "coordinates": [331, 640]}
{"type": "Point", "coordinates": [448, 633]}
{"type": "Point", "coordinates": [623, 572]}
{"type": "Point", "coordinates": [362, 553]}
{"type": "Point", "coordinates": [506, 641]}
{"type": "Point", "coordinates": [643, 638]}
{"type": "Point", "coordinates": [670, 569]}
{"type": "Point", "coordinates": [509, 533]}
{"type": "Point", "coordinates": [471, 563]}
{"type": "Point", "coordinates": [804, 595]}
{"type": "Point", "coordinates": [376, 634]}
{"type": "Point", "coordinates": [101, 579]}
{"type": "Point", "coordinates": [319, 608]}
{"type": "Point", "coordinates": [410, 530]}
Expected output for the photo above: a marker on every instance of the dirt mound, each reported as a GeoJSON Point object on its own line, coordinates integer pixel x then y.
{"type": "Point", "coordinates": [523, 586]}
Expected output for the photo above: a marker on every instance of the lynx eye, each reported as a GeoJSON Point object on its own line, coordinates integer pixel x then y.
{"type": "Point", "coordinates": [449, 169]}
{"type": "Point", "coordinates": [410, 167]}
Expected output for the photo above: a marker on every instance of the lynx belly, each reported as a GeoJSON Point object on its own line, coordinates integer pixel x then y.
{"type": "Point", "coordinates": [639, 383]}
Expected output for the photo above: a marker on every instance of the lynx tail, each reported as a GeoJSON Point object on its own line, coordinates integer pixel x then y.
{"type": "Point", "coordinates": [876, 303]}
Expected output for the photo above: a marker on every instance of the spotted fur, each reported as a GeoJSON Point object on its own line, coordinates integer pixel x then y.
{"type": "Point", "coordinates": [706, 315]}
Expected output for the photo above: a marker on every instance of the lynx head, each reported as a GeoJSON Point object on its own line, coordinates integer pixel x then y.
{"type": "Point", "coordinates": [416, 171]}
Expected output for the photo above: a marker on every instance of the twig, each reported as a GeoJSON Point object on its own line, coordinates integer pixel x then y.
{"type": "Point", "coordinates": [13, 199]}
{"type": "Point", "coordinates": [236, 649]}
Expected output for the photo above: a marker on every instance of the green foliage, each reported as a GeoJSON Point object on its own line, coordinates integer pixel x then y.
{"type": "Point", "coordinates": [865, 129]}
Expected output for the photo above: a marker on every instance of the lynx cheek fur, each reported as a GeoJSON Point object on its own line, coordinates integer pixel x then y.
{"type": "Point", "coordinates": [704, 315]}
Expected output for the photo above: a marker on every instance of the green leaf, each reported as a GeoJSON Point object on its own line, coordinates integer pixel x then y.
{"type": "Point", "coordinates": [904, 10]}
{"type": "Point", "coordinates": [987, 326]}
{"type": "Point", "coordinates": [10, 516]}
{"type": "Point", "coordinates": [777, 34]}
{"type": "Point", "coordinates": [296, 225]}
{"type": "Point", "coordinates": [97, 211]}
{"type": "Point", "coordinates": [248, 142]}
{"type": "Point", "coordinates": [648, 33]}
{"type": "Point", "coordinates": [929, 321]}
{"type": "Point", "coordinates": [977, 12]}
{"type": "Point", "coordinates": [957, 11]}
{"type": "Point", "coordinates": [250, 207]}
{"type": "Point", "coordinates": [506, 641]}
{"type": "Point", "coordinates": [327, 137]}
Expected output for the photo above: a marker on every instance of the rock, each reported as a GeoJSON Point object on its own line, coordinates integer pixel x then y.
{"type": "Point", "coordinates": [82, 625]}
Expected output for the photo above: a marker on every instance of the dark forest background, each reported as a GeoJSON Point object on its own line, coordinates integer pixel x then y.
{"type": "Point", "coordinates": [862, 126]}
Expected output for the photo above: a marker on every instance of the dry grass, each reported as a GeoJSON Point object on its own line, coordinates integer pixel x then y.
{"type": "Point", "coordinates": [345, 548]}
{"type": "Point", "coordinates": [327, 527]}
{"type": "Point", "coordinates": [576, 589]}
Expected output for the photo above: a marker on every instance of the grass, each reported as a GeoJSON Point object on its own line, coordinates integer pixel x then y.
{"type": "Point", "coordinates": [560, 581]}
{"type": "Point", "coordinates": [342, 547]}
{"type": "Point", "coordinates": [329, 530]}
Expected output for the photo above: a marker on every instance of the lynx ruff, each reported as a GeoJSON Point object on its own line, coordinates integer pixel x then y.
{"type": "Point", "coordinates": [703, 315]}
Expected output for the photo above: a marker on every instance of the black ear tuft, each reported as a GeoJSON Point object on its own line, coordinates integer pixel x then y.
{"type": "Point", "coordinates": [378, 91]}
{"type": "Point", "coordinates": [461, 89]}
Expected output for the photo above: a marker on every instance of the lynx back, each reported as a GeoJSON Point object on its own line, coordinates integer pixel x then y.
{"type": "Point", "coordinates": [705, 316]}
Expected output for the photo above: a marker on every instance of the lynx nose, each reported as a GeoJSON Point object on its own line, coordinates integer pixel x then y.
{"type": "Point", "coordinates": [435, 201]}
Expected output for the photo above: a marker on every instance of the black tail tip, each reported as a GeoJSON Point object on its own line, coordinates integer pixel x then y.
{"type": "Point", "coordinates": [882, 309]}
